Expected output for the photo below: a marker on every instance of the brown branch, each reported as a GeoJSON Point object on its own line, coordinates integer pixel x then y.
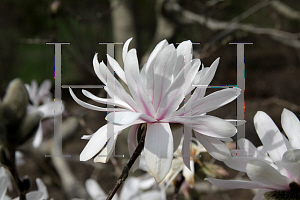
{"type": "Point", "coordinates": [127, 167]}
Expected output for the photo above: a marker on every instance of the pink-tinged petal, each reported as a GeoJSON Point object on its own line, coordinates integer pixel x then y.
{"type": "Point", "coordinates": [270, 136]}
{"type": "Point", "coordinates": [149, 71]}
{"type": "Point", "coordinates": [38, 137]}
{"type": "Point", "coordinates": [214, 147]}
{"type": "Point", "coordinates": [132, 144]}
{"type": "Point", "coordinates": [123, 118]}
{"type": "Point", "coordinates": [212, 101]}
{"type": "Point", "coordinates": [114, 102]}
{"type": "Point", "coordinates": [261, 172]}
{"type": "Point", "coordinates": [94, 189]}
{"type": "Point", "coordinates": [186, 146]}
{"type": "Point", "coordinates": [291, 126]}
{"type": "Point", "coordinates": [116, 67]}
{"type": "Point", "coordinates": [135, 85]}
{"type": "Point", "coordinates": [92, 107]}
{"type": "Point", "coordinates": [125, 49]}
{"type": "Point", "coordinates": [206, 124]}
{"type": "Point", "coordinates": [260, 194]}
{"type": "Point", "coordinates": [189, 174]}
{"type": "Point", "coordinates": [291, 162]}
{"type": "Point", "coordinates": [159, 149]}
{"type": "Point", "coordinates": [98, 140]}
{"type": "Point", "coordinates": [97, 69]}
{"type": "Point", "coordinates": [233, 184]}
{"type": "Point", "coordinates": [163, 69]}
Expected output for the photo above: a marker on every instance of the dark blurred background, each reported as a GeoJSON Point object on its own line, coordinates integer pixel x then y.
{"type": "Point", "coordinates": [272, 62]}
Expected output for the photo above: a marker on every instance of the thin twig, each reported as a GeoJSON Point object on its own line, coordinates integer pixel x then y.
{"type": "Point", "coordinates": [127, 167]}
{"type": "Point", "coordinates": [179, 182]}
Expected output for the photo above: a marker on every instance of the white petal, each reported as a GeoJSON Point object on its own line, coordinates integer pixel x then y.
{"type": "Point", "coordinates": [116, 67]}
{"type": "Point", "coordinates": [114, 102]}
{"type": "Point", "coordinates": [261, 172]}
{"type": "Point", "coordinates": [186, 146]}
{"type": "Point", "coordinates": [98, 140]}
{"type": "Point", "coordinates": [52, 108]}
{"type": "Point", "coordinates": [159, 149]}
{"type": "Point", "coordinates": [189, 174]}
{"type": "Point", "coordinates": [105, 154]}
{"type": "Point", "coordinates": [92, 107]}
{"type": "Point", "coordinates": [163, 69]}
{"type": "Point", "coordinates": [269, 135]}
{"type": "Point", "coordinates": [123, 118]}
{"type": "Point", "coordinates": [3, 187]}
{"type": "Point", "coordinates": [94, 189]}
{"type": "Point", "coordinates": [97, 69]}
{"type": "Point", "coordinates": [38, 137]}
{"type": "Point", "coordinates": [125, 49]}
{"type": "Point", "coordinates": [149, 71]}
{"type": "Point", "coordinates": [240, 163]}
{"type": "Point", "coordinates": [130, 188]}
{"type": "Point", "coordinates": [135, 85]}
{"type": "Point", "coordinates": [150, 195]}
{"type": "Point", "coordinates": [207, 125]}
{"type": "Point", "coordinates": [260, 194]}
{"type": "Point", "coordinates": [214, 147]}
{"type": "Point", "coordinates": [233, 184]}
{"type": "Point", "coordinates": [177, 135]}
{"type": "Point", "coordinates": [291, 126]}
{"type": "Point", "coordinates": [34, 195]}
{"type": "Point", "coordinates": [291, 161]}
{"type": "Point", "coordinates": [42, 188]}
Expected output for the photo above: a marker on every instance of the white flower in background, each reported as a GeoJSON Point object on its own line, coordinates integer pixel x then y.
{"type": "Point", "coordinates": [156, 94]}
{"type": "Point", "coordinates": [133, 189]}
{"type": "Point", "coordinates": [179, 166]}
{"type": "Point", "coordinates": [40, 194]}
{"type": "Point", "coordinates": [273, 166]}
{"type": "Point", "coordinates": [42, 101]}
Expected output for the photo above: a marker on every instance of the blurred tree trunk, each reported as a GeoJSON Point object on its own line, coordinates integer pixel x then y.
{"type": "Point", "coordinates": [123, 24]}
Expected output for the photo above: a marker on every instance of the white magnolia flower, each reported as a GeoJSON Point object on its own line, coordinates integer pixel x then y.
{"type": "Point", "coordinates": [179, 166]}
{"type": "Point", "coordinates": [273, 166]}
{"type": "Point", "coordinates": [133, 189]}
{"type": "Point", "coordinates": [156, 94]}
{"type": "Point", "coordinates": [42, 101]}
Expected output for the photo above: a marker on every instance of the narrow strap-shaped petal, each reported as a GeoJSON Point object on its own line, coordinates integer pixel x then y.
{"type": "Point", "coordinates": [212, 101]}
{"type": "Point", "coordinates": [107, 151]}
{"type": "Point", "coordinates": [233, 184]}
{"type": "Point", "coordinates": [270, 136]}
{"type": "Point", "coordinates": [206, 124]}
{"type": "Point", "coordinates": [97, 69]}
{"type": "Point", "coordinates": [189, 77]}
{"type": "Point", "coordinates": [114, 102]}
{"type": "Point", "coordinates": [291, 162]}
{"type": "Point", "coordinates": [38, 137]}
{"type": "Point", "coordinates": [291, 126]}
{"type": "Point", "coordinates": [159, 149]}
{"type": "Point", "coordinates": [92, 107]}
{"type": "Point", "coordinates": [240, 163]}
{"type": "Point", "coordinates": [189, 174]}
{"type": "Point", "coordinates": [186, 146]}
{"type": "Point", "coordinates": [116, 67]}
{"type": "Point", "coordinates": [116, 90]}
{"type": "Point", "coordinates": [214, 147]}
{"type": "Point", "coordinates": [98, 140]}
{"type": "Point", "coordinates": [260, 194]}
{"type": "Point", "coordinates": [135, 85]}
{"type": "Point", "coordinates": [42, 188]}
{"type": "Point", "coordinates": [261, 172]}
{"type": "Point", "coordinates": [163, 69]}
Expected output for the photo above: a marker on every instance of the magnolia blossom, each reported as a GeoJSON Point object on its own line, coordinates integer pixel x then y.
{"type": "Point", "coordinates": [179, 166]}
{"type": "Point", "coordinates": [42, 101]}
{"type": "Point", "coordinates": [133, 189]}
{"type": "Point", "coordinates": [156, 96]}
{"type": "Point", "coordinates": [273, 166]}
